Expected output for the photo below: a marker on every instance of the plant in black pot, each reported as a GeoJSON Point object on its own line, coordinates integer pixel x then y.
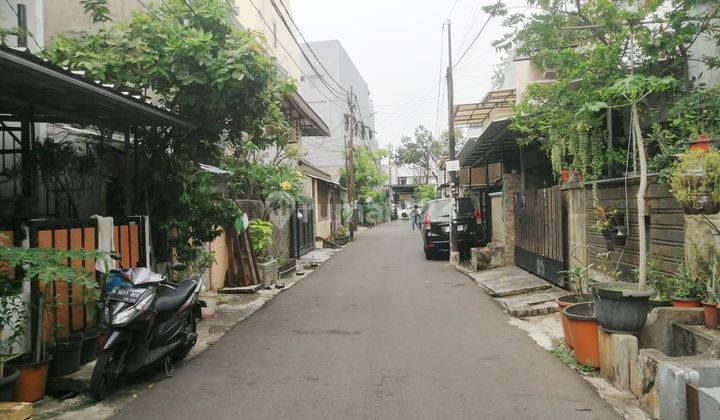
{"type": "Point", "coordinates": [13, 315]}
{"type": "Point", "coordinates": [622, 307]}
{"type": "Point", "coordinates": [611, 223]}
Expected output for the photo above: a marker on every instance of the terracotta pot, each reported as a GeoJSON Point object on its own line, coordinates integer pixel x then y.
{"type": "Point", "coordinates": [583, 328]}
{"type": "Point", "coordinates": [30, 385]}
{"type": "Point", "coordinates": [679, 302]}
{"type": "Point", "coordinates": [711, 314]}
{"type": "Point", "coordinates": [563, 302]}
{"type": "Point", "coordinates": [566, 175]}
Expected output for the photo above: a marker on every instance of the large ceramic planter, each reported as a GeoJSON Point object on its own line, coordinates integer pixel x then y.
{"type": "Point", "coordinates": [711, 314]}
{"type": "Point", "coordinates": [67, 356]}
{"type": "Point", "coordinates": [563, 302]}
{"type": "Point", "coordinates": [269, 273]}
{"type": "Point", "coordinates": [7, 382]}
{"type": "Point", "coordinates": [30, 385]}
{"type": "Point", "coordinates": [679, 302]}
{"type": "Point", "coordinates": [583, 328]}
{"type": "Point", "coordinates": [89, 350]}
{"type": "Point", "coordinates": [621, 307]}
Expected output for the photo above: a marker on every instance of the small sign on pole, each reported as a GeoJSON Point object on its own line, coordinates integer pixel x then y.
{"type": "Point", "coordinates": [452, 165]}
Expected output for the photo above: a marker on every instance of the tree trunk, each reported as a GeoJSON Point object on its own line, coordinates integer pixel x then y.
{"type": "Point", "coordinates": [642, 189]}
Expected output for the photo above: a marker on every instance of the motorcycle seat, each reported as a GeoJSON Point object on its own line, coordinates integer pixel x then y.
{"type": "Point", "coordinates": [170, 300]}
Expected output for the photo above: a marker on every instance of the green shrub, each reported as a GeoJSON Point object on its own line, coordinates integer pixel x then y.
{"type": "Point", "coordinates": [261, 237]}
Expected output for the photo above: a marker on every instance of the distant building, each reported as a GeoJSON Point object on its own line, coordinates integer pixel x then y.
{"type": "Point", "coordinates": [329, 102]}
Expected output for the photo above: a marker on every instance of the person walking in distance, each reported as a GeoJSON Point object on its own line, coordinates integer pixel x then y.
{"type": "Point", "coordinates": [415, 217]}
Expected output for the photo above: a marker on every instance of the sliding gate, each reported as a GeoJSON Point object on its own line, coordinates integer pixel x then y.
{"type": "Point", "coordinates": [539, 233]}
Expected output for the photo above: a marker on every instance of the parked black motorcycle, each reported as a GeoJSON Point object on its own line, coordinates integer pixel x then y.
{"type": "Point", "coordinates": [150, 319]}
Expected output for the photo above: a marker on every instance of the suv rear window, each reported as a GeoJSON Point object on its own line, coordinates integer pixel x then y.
{"type": "Point", "coordinates": [441, 208]}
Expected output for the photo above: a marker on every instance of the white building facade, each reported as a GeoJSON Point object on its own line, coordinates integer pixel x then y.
{"type": "Point", "coordinates": [326, 95]}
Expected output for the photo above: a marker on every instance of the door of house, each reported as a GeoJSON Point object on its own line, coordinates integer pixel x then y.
{"type": "Point", "coordinates": [539, 233]}
{"type": "Point", "coordinates": [302, 230]}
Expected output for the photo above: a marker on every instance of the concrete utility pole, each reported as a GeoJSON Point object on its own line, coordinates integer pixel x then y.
{"type": "Point", "coordinates": [454, 251]}
{"type": "Point", "coordinates": [350, 160]}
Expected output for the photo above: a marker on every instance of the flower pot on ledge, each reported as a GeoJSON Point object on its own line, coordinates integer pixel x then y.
{"type": "Point", "coordinates": [711, 314]}
{"type": "Point", "coordinates": [583, 327]}
{"type": "Point", "coordinates": [621, 307]}
{"type": "Point", "coordinates": [689, 302]}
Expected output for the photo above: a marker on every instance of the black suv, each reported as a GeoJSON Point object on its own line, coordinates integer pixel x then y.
{"type": "Point", "coordinates": [435, 229]}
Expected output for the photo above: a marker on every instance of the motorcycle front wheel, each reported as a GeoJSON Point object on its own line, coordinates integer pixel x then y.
{"type": "Point", "coordinates": [104, 377]}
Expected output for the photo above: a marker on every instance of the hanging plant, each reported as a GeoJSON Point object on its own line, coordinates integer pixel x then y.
{"type": "Point", "coordinates": [695, 182]}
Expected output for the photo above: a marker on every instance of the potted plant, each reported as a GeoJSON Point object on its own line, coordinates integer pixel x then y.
{"type": "Point", "coordinates": [687, 288]}
{"type": "Point", "coordinates": [610, 222]}
{"type": "Point", "coordinates": [341, 236]}
{"type": "Point", "coordinates": [710, 269]}
{"type": "Point", "coordinates": [13, 315]}
{"type": "Point", "coordinates": [660, 282]}
{"type": "Point", "coordinates": [261, 238]}
{"type": "Point", "coordinates": [695, 182]}
{"type": "Point", "coordinates": [577, 278]}
{"type": "Point", "coordinates": [583, 328]}
{"type": "Point", "coordinates": [47, 265]}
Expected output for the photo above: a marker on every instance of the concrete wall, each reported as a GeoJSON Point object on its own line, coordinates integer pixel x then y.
{"type": "Point", "coordinates": [575, 220]}
{"type": "Point", "coordinates": [68, 16]}
{"type": "Point", "coordinates": [218, 270]}
{"type": "Point", "coordinates": [327, 152]}
{"type": "Point", "coordinates": [511, 186]}
{"type": "Point", "coordinates": [278, 39]}
{"type": "Point", "coordinates": [498, 224]}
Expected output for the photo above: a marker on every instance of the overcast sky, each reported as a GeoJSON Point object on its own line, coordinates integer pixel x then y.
{"type": "Point", "coordinates": [396, 46]}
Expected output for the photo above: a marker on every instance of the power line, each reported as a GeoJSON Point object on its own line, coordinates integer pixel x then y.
{"type": "Point", "coordinates": [295, 62]}
{"type": "Point", "coordinates": [474, 40]}
{"type": "Point", "coordinates": [156, 16]}
{"type": "Point", "coordinates": [437, 107]}
{"type": "Point", "coordinates": [307, 44]}
{"type": "Point", "coordinates": [17, 15]}
{"type": "Point", "coordinates": [302, 51]}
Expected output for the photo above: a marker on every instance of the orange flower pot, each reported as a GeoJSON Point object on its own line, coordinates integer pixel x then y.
{"type": "Point", "coordinates": [583, 328]}
{"type": "Point", "coordinates": [711, 315]}
{"type": "Point", "coordinates": [30, 385]}
{"type": "Point", "coordinates": [563, 302]}
{"type": "Point", "coordinates": [686, 302]}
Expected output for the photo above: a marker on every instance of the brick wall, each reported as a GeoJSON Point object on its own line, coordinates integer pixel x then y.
{"type": "Point", "coordinates": [511, 186]}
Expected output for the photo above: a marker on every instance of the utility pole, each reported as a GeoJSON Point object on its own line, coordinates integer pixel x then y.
{"type": "Point", "coordinates": [454, 251]}
{"type": "Point", "coordinates": [390, 191]}
{"type": "Point", "coordinates": [350, 161]}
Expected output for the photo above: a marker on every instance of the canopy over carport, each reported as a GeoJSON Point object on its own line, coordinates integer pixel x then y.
{"type": "Point", "coordinates": [475, 115]}
{"type": "Point", "coordinates": [496, 142]}
{"type": "Point", "coordinates": [37, 90]}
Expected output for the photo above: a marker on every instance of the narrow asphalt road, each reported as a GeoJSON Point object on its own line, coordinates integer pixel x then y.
{"type": "Point", "coordinates": [376, 333]}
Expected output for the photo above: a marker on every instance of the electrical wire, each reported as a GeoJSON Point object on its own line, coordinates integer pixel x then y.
{"type": "Point", "coordinates": [333, 93]}
{"type": "Point", "coordinates": [473, 42]}
{"type": "Point", "coordinates": [302, 51]}
{"type": "Point", "coordinates": [437, 107]}
{"type": "Point", "coordinates": [307, 44]}
{"type": "Point", "coordinates": [17, 15]}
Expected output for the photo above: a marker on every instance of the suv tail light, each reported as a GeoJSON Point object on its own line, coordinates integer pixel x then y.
{"type": "Point", "coordinates": [478, 217]}
{"type": "Point", "coordinates": [427, 220]}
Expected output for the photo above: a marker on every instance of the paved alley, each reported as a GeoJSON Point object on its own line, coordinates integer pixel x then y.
{"type": "Point", "coordinates": [377, 333]}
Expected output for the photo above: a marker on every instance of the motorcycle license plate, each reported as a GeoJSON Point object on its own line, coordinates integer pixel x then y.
{"type": "Point", "coordinates": [126, 295]}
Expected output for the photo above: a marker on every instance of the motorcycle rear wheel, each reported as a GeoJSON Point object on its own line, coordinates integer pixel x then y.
{"type": "Point", "coordinates": [182, 351]}
{"type": "Point", "coordinates": [103, 376]}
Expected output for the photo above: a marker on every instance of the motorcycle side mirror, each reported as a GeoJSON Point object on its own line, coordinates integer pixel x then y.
{"type": "Point", "coordinates": [179, 267]}
{"type": "Point", "coordinates": [115, 256]}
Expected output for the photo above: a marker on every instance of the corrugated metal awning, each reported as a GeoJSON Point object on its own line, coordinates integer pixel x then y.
{"type": "Point", "coordinates": [476, 114]}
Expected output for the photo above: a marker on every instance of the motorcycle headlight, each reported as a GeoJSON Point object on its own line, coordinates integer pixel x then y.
{"type": "Point", "coordinates": [125, 316]}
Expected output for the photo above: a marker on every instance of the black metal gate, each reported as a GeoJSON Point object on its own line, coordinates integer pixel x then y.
{"type": "Point", "coordinates": [302, 230]}
{"type": "Point", "coordinates": [539, 244]}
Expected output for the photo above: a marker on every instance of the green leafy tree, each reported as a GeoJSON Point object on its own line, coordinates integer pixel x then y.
{"type": "Point", "coordinates": [368, 176]}
{"type": "Point", "coordinates": [196, 62]}
{"type": "Point", "coordinates": [425, 193]}
{"type": "Point", "coordinates": [423, 151]}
